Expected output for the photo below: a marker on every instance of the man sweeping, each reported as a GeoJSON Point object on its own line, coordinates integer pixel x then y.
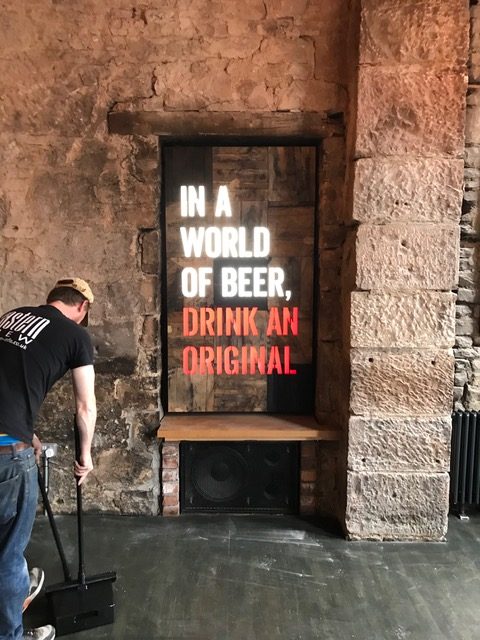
{"type": "Point", "coordinates": [38, 345]}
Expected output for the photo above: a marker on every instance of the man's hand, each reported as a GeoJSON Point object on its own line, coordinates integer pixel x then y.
{"type": "Point", "coordinates": [37, 447]}
{"type": "Point", "coordinates": [83, 468]}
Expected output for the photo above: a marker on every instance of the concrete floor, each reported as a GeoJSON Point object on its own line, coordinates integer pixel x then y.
{"type": "Point", "coordinates": [262, 578]}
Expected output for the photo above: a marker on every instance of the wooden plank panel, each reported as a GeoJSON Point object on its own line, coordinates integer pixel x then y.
{"type": "Point", "coordinates": [243, 427]}
{"type": "Point", "coordinates": [291, 175]}
{"type": "Point", "coordinates": [225, 125]}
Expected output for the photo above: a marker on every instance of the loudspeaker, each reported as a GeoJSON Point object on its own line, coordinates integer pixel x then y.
{"type": "Point", "coordinates": [239, 477]}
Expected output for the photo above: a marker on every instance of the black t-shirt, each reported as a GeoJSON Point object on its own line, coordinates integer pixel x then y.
{"type": "Point", "coordinates": [38, 345]}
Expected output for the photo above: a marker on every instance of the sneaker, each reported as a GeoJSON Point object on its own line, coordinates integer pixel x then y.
{"type": "Point", "coordinates": [37, 577]}
{"type": "Point", "coordinates": [40, 633]}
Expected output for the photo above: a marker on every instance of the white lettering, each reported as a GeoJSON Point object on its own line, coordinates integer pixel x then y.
{"type": "Point", "coordinates": [261, 242]}
{"type": "Point", "coordinates": [246, 282]}
{"type": "Point", "coordinates": [213, 242]}
{"type": "Point", "coordinates": [192, 240]}
{"type": "Point", "coordinates": [38, 327]}
{"type": "Point", "coordinates": [227, 242]}
{"type": "Point", "coordinates": [195, 281]}
{"type": "Point", "coordinates": [192, 202]}
{"type": "Point", "coordinates": [4, 319]}
{"type": "Point", "coordinates": [223, 206]}
{"type": "Point", "coordinates": [276, 277]}
{"type": "Point", "coordinates": [229, 282]}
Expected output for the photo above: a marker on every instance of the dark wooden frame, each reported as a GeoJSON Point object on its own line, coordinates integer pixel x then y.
{"type": "Point", "coordinates": [275, 128]}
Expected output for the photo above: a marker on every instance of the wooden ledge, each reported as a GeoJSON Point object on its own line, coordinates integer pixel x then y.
{"type": "Point", "coordinates": [227, 124]}
{"type": "Point", "coordinates": [242, 426]}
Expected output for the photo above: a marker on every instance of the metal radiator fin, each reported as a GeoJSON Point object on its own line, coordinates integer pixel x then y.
{"type": "Point", "coordinates": [465, 460]}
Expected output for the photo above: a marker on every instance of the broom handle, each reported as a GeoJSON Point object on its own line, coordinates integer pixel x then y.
{"type": "Point", "coordinates": [53, 525]}
{"type": "Point", "coordinates": [81, 561]}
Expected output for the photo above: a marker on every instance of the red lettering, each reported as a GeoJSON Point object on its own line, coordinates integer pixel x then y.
{"type": "Point", "coordinates": [249, 326]}
{"type": "Point", "coordinates": [206, 361]}
{"type": "Point", "coordinates": [189, 368]}
{"type": "Point", "coordinates": [190, 313]}
{"type": "Point", "coordinates": [290, 318]}
{"type": "Point", "coordinates": [257, 360]}
{"type": "Point", "coordinates": [274, 324]}
{"type": "Point", "coordinates": [286, 362]}
{"type": "Point", "coordinates": [287, 324]}
{"type": "Point", "coordinates": [231, 361]}
{"type": "Point", "coordinates": [233, 320]}
{"type": "Point", "coordinates": [274, 361]}
{"type": "Point", "coordinates": [207, 321]}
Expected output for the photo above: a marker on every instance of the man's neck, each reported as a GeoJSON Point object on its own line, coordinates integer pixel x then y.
{"type": "Point", "coordinates": [67, 310]}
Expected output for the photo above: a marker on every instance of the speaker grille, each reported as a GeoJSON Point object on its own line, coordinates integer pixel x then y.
{"type": "Point", "coordinates": [219, 474]}
{"type": "Point", "coordinates": [239, 477]}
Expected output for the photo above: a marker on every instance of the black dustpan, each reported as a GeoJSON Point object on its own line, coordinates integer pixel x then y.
{"type": "Point", "coordinates": [84, 603]}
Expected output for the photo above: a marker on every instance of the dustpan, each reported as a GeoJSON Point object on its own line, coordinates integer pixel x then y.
{"type": "Point", "coordinates": [84, 603]}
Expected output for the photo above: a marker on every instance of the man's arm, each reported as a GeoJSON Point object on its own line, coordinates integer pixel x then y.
{"type": "Point", "coordinates": [83, 379]}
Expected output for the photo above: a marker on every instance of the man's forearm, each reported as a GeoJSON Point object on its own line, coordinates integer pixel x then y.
{"type": "Point", "coordinates": [86, 419]}
{"type": "Point", "coordinates": [86, 406]}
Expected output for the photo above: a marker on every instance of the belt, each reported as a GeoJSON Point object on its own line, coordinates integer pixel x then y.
{"type": "Point", "coordinates": [17, 446]}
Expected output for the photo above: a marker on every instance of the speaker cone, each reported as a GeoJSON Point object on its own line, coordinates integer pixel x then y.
{"type": "Point", "coordinates": [219, 473]}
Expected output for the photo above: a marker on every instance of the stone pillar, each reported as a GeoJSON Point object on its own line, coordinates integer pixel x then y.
{"type": "Point", "coordinates": [467, 342]}
{"type": "Point", "coordinates": [406, 167]}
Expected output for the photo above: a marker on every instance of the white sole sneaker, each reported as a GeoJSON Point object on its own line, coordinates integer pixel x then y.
{"type": "Point", "coordinates": [40, 633]}
{"type": "Point", "coordinates": [37, 578]}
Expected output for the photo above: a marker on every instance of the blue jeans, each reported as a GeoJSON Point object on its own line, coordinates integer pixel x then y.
{"type": "Point", "coordinates": [18, 501]}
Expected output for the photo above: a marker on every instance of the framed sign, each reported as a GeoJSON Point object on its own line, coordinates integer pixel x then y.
{"type": "Point", "coordinates": [239, 262]}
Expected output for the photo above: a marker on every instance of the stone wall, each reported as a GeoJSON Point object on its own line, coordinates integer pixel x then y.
{"type": "Point", "coordinates": [406, 174]}
{"type": "Point", "coordinates": [467, 343]}
{"type": "Point", "coordinates": [75, 199]}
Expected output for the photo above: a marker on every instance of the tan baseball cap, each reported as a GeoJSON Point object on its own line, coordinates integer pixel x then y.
{"type": "Point", "coordinates": [79, 285]}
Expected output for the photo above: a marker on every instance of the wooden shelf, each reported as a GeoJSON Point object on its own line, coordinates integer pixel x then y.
{"type": "Point", "coordinates": [242, 426]}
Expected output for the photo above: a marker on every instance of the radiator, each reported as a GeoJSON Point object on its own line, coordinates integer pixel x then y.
{"type": "Point", "coordinates": [465, 460]}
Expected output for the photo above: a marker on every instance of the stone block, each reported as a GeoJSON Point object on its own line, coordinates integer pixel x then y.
{"type": "Point", "coordinates": [472, 398]}
{"type": "Point", "coordinates": [113, 340]}
{"type": "Point", "coordinates": [150, 251]}
{"type": "Point", "coordinates": [397, 506]}
{"type": "Point", "coordinates": [472, 125]}
{"type": "Point", "coordinates": [401, 256]}
{"type": "Point", "coordinates": [150, 332]}
{"type": "Point", "coordinates": [465, 326]}
{"type": "Point", "coordinates": [391, 383]}
{"type": "Point", "coordinates": [395, 31]}
{"type": "Point", "coordinates": [423, 319]}
{"type": "Point", "coordinates": [311, 95]}
{"type": "Point", "coordinates": [407, 189]}
{"type": "Point", "coordinates": [463, 342]}
{"type": "Point", "coordinates": [399, 444]}
{"type": "Point", "coordinates": [404, 111]}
